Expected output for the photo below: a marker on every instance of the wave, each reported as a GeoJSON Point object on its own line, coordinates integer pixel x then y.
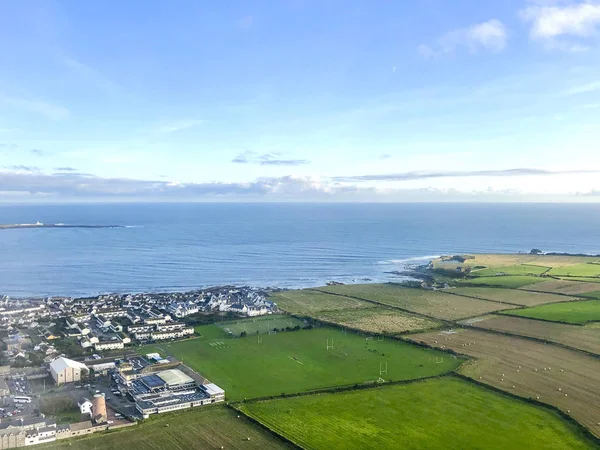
{"type": "Point", "coordinates": [408, 260]}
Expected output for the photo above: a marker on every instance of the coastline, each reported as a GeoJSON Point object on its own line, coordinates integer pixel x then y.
{"type": "Point", "coordinates": [52, 225]}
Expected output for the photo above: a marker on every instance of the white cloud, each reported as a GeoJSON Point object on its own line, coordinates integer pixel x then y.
{"type": "Point", "coordinates": [178, 125]}
{"type": "Point", "coordinates": [582, 89]}
{"type": "Point", "coordinates": [491, 35]}
{"type": "Point", "coordinates": [49, 110]}
{"type": "Point", "coordinates": [90, 74]}
{"type": "Point", "coordinates": [548, 22]}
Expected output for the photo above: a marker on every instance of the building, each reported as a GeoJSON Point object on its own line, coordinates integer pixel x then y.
{"type": "Point", "coordinates": [215, 393]}
{"type": "Point", "coordinates": [109, 345]}
{"type": "Point", "coordinates": [65, 370]}
{"type": "Point", "coordinates": [99, 414]}
{"type": "Point", "coordinates": [175, 334]}
{"type": "Point", "coordinates": [85, 406]}
{"type": "Point", "coordinates": [109, 313]}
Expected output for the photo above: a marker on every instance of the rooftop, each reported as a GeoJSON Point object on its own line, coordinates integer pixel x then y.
{"type": "Point", "coordinates": [174, 377]}
{"type": "Point", "coordinates": [60, 364]}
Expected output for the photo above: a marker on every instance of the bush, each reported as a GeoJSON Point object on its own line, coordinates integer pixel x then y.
{"type": "Point", "coordinates": [243, 334]}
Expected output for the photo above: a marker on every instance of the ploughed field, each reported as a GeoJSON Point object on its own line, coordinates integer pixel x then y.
{"type": "Point", "coordinates": [508, 281]}
{"type": "Point", "coordinates": [571, 312]}
{"type": "Point", "coordinates": [447, 413]}
{"type": "Point", "coordinates": [563, 378]}
{"type": "Point", "coordinates": [298, 361]}
{"type": "Point", "coordinates": [436, 304]}
{"type": "Point", "coordinates": [206, 427]}
{"type": "Point", "coordinates": [583, 338]}
{"type": "Point", "coordinates": [565, 287]}
{"type": "Point", "coordinates": [514, 296]}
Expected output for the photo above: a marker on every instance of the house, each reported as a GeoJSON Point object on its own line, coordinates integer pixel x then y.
{"type": "Point", "coordinates": [85, 406]}
{"type": "Point", "coordinates": [65, 370]}
{"type": "Point", "coordinates": [109, 345]}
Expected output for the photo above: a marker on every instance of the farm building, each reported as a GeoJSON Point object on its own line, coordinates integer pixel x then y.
{"type": "Point", "coordinates": [65, 370]}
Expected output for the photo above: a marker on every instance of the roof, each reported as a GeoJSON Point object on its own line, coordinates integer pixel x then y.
{"type": "Point", "coordinates": [83, 400]}
{"type": "Point", "coordinates": [81, 425]}
{"type": "Point", "coordinates": [213, 389]}
{"type": "Point", "coordinates": [153, 381]}
{"type": "Point", "coordinates": [60, 364]}
{"type": "Point", "coordinates": [174, 377]}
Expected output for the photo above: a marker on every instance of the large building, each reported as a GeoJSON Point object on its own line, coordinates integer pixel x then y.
{"type": "Point", "coordinates": [65, 370]}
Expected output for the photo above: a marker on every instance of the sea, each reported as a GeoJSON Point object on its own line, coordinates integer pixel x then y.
{"type": "Point", "coordinates": [186, 246]}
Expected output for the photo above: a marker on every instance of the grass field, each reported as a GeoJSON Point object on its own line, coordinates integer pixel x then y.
{"type": "Point", "coordinates": [509, 281]}
{"type": "Point", "coordinates": [448, 413]}
{"type": "Point", "coordinates": [437, 304]}
{"type": "Point", "coordinates": [572, 312]}
{"type": "Point", "coordinates": [298, 361]}
{"type": "Point", "coordinates": [205, 427]}
{"type": "Point", "coordinates": [260, 325]}
{"type": "Point", "coordinates": [585, 279]}
{"type": "Point", "coordinates": [516, 296]}
{"type": "Point", "coordinates": [529, 369]}
{"type": "Point", "coordinates": [308, 302]}
{"type": "Point", "coordinates": [522, 269]}
{"type": "Point", "coordinates": [563, 287]}
{"type": "Point", "coordinates": [507, 259]}
{"type": "Point", "coordinates": [378, 319]}
{"type": "Point", "coordinates": [583, 338]}
{"type": "Point", "coordinates": [578, 270]}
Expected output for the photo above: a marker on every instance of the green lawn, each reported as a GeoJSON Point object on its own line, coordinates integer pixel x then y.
{"type": "Point", "coordinates": [202, 427]}
{"type": "Point", "coordinates": [509, 281]}
{"type": "Point", "coordinates": [447, 413]}
{"type": "Point", "coordinates": [572, 312]}
{"type": "Point", "coordinates": [521, 269]}
{"type": "Point", "coordinates": [578, 270]}
{"type": "Point", "coordinates": [297, 361]}
{"type": "Point", "coordinates": [262, 325]}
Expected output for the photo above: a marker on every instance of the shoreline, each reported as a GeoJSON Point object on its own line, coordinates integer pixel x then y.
{"type": "Point", "coordinates": [17, 226]}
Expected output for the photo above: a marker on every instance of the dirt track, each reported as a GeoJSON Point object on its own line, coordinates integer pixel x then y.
{"type": "Point", "coordinates": [566, 379]}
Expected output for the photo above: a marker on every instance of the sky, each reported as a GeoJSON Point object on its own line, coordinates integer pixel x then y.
{"type": "Point", "coordinates": [300, 100]}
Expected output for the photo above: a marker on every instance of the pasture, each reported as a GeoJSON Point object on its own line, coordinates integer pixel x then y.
{"type": "Point", "coordinates": [522, 269]}
{"type": "Point", "coordinates": [259, 325]}
{"type": "Point", "coordinates": [379, 320]}
{"type": "Point", "coordinates": [563, 378]}
{"type": "Point", "coordinates": [297, 361]}
{"type": "Point", "coordinates": [496, 260]}
{"type": "Point", "coordinates": [508, 281]}
{"type": "Point", "coordinates": [446, 413]}
{"type": "Point", "coordinates": [579, 313]}
{"type": "Point", "coordinates": [437, 304]}
{"type": "Point", "coordinates": [578, 270]}
{"type": "Point", "coordinates": [308, 302]}
{"type": "Point", "coordinates": [205, 427]}
{"type": "Point", "coordinates": [514, 296]}
{"type": "Point", "coordinates": [583, 338]}
{"type": "Point", "coordinates": [563, 287]}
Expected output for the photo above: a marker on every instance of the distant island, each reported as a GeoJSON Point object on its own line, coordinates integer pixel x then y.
{"type": "Point", "coordinates": [52, 225]}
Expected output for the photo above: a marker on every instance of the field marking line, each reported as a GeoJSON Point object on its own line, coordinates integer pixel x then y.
{"type": "Point", "coordinates": [295, 360]}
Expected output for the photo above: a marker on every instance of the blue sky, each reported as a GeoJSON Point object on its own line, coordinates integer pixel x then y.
{"type": "Point", "coordinates": [300, 100]}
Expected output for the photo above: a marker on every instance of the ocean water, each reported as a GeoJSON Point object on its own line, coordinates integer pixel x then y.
{"type": "Point", "coordinates": [174, 247]}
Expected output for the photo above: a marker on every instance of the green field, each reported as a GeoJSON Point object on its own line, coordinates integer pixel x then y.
{"type": "Point", "coordinates": [509, 281]}
{"type": "Point", "coordinates": [516, 296]}
{"type": "Point", "coordinates": [583, 279]}
{"type": "Point", "coordinates": [260, 325]}
{"type": "Point", "coordinates": [204, 427]}
{"type": "Point", "coordinates": [521, 269]}
{"type": "Point", "coordinates": [308, 302]}
{"type": "Point", "coordinates": [578, 270]}
{"type": "Point", "coordinates": [448, 413]}
{"type": "Point", "coordinates": [297, 361]}
{"type": "Point", "coordinates": [572, 312]}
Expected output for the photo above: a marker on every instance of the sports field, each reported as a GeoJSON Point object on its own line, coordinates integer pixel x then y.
{"type": "Point", "coordinates": [571, 312]}
{"type": "Point", "coordinates": [260, 325]}
{"type": "Point", "coordinates": [297, 361]}
{"type": "Point", "coordinates": [515, 296]}
{"type": "Point", "coordinates": [378, 319]}
{"type": "Point", "coordinates": [437, 304]}
{"type": "Point", "coordinates": [508, 281]}
{"type": "Point", "coordinates": [448, 413]}
{"type": "Point", "coordinates": [204, 427]}
{"type": "Point", "coordinates": [307, 302]}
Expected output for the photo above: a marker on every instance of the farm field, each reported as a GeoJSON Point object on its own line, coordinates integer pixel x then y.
{"type": "Point", "coordinates": [508, 281]}
{"type": "Point", "coordinates": [378, 319]}
{"type": "Point", "coordinates": [308, 302]}
{"type": "Point", "coordinates": [586, 279]}
{"type": "Point", "coordinates": [570, 381]}
{"type": "Point", "coordinates": [522, 269]}
{"type": "Point", "coordinates": [297, 361]}
{"type": "Point", "coordinates": [583, 338]}
{"type": "Point", "coordinates": [571, 312]}
{"type": "Point", "coordinates": [433, 414]}
{"type": "Point", "coordinates": [503, 260]}
{"type": "Point", "coordinates": [516, 296]}
{"type": "Point", "coordinates": [578, 270]}
{"type": "Point", "coordinates": [206, 427]}
{"type": "Point", "coordinates": [437, 304]}
{"type": "Point", "coordinates": [260, 325]}
{"type": "Point", "coordinates": [563, 287]}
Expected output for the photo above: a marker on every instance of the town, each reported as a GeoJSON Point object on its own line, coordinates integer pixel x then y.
{"type": "Point", "coordinates": [69, 366]}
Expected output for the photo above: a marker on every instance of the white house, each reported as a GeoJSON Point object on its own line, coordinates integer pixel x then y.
{"type": "Point", "coordinates": [85, 406]}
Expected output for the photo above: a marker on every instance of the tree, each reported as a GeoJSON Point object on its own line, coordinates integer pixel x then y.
{"type": "Point", "coordinates": [535, 251]}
